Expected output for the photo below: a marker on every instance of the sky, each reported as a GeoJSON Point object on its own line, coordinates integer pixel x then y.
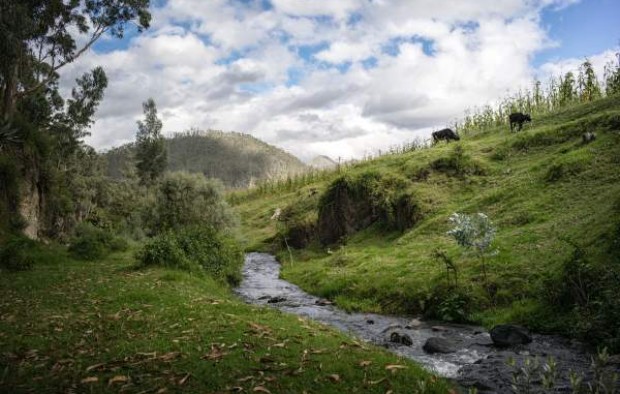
{"type": "Point", "coordinates": [342, 78]}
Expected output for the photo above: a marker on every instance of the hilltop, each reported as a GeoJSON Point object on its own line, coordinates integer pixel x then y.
{"type": "Point", "coordinates": [366, 235]}
{"type": "Point", "coordinates": [238, 159]}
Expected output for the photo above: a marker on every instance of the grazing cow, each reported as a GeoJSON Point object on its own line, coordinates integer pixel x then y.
{"type": "Point", "coordinates": [446, 135]}
{"type": "Point", "coordinates": [588, 137]}
{"type": "Point", "coordinates": [519, 118]}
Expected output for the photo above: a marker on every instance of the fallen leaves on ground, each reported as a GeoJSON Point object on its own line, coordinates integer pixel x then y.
{"type": "Point", "coordinates": [334, 378]}
{"type": "Point", "coordinates": [215, 354]}
{"type": "Point", "coordinates": [90, 379]}
{"type": "Point", "coordinates": [118, 379]}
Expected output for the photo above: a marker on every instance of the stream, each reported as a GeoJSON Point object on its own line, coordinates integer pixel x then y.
{"type": "Point", "coordinates": [473, 361]}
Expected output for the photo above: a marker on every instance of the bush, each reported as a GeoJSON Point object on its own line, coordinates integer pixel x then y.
{"type": "Point", "coordinates": [165, 251]}
{"type": "Point", "coordinates": [196, 249]}
{"type": "Point", "coordinates": [458, 163]}
{"type": "Point", "coordinates": [93, 243]}
{"type": "Point", "coordinates": [587, 290]}
{"type": "Point", "coordinates": [16, 253]}
{"type": "Point", "coordinates": [449, 303]}
{"type": "Point", "coordinates": [566, 166]}
{"type": "Point", "coordinates": [354, 203]}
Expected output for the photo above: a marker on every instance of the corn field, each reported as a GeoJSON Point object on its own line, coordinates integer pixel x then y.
{"type": "Point", "coordinates": [559, 92]}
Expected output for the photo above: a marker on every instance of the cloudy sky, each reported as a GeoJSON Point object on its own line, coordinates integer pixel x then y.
{"type": "Point", "coordinates": [337, 77]}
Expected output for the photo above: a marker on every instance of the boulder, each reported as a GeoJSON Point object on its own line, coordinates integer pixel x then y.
{"type": "Point", "coordinates": [403, 339]}
{"type": "Point", "coordinates": [415, 323]}
{"type": "Point", "coordinates": [276, 299]}
{"type": "Point", "coordinates": [505, 335]}
{"type": "Point", "coordinates": [323, 302]}
{"type": "Point", "coordinates": [438, 345]}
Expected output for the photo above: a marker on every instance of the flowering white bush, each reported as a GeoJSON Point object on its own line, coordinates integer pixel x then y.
{"type": "Point", "coordinates": [472, 231]}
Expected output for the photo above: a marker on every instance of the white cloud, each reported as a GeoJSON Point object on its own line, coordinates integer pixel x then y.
{"type": "Point", "coordinates": [225, 65]}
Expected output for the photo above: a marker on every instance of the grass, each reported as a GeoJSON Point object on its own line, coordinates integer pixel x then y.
{"type": "Point", "coordinates": [540, 187]}
{"type": "Point", "coordinates": [68, 326]}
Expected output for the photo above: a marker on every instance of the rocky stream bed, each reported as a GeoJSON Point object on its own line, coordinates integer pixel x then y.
{"type": "Point", "coordinates": [463, 353]}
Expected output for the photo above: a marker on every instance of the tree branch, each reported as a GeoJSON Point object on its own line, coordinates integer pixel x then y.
{"type": "Point", "coordinates": [96, 35]}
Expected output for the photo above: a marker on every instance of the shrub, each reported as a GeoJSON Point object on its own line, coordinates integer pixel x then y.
{"type": "Point", "coordinates": [216, 252]}
{"type": "Point", "coordinates": [196, 249]}
{"type": "Point", "coordinates": [16, 253]}
{"type": "Point", "coordinates": [354, 203]}
{"type": "Point", "coordinates": [458, 163]}
{"type": "Point", "coordinates": [164, 250]}
{"type": "Point", "coordinates": [449, 303]}
{"type": "Point", "coordinates": [565, 166]}
{"type": "Point", "coordinates": [588, 291]}
{"type": "Point", "coordinates": [93, 243]}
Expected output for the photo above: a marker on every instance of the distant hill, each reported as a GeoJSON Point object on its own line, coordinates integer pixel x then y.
{"type": "Point", "coordinates": [323, 162]}
{"type": "Point", "coordinates": [238, 159]}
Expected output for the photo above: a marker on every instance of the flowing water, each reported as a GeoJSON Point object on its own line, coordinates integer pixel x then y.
{"type": "Point", "coordinates": [474, 361]}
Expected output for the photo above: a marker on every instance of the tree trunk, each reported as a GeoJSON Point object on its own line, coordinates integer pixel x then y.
{"type": "Point", "coordinates": [8, 96]}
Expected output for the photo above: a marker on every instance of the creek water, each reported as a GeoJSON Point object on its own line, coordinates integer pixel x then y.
{"type": "Point", "coordinates": [474, 361]}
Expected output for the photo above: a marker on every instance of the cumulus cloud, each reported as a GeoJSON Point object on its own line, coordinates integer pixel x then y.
{"type": "Point", "coordinates": [341, 78]}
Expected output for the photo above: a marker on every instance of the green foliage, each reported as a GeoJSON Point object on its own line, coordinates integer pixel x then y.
{"type": "Point", "coordinates": [449, 304]}
{"type": "Point", "coordinates": [587, 289]}
{"type": "Point", "coordinates": [16, 254]}
{"type": "Point", "coordinates": [458, 163]}
{"type": "Point", "coordinates": [185, 199]}
{"type": "Point", "coordinates": [164, 250]}
{"type": "Point", "coordinates": [353, 203]}
{"type": "Point", "coordinates": [528, 376]}
{"type": "Point", "coordinates": [40, 131]}
{"type": "Point", "coordinates": [567, 165]}
{"type": "Point", "coordinates": [151, 157]}
{"type": "Point", "coordinates": [612, 76]}
{"type": "Point", "coordinates": [197, 249]}
{"type": "Point", "coordinates": [10, 218]}
{"type": "Point", "coordinates": [559, 92]}
{"type": "Point", "coordinates": [93, 243]}
{"type": "Point", "coordinates": [237, 159]}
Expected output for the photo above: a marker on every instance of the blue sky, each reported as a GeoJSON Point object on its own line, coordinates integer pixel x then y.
{"type": "Point", "coordinates": [341, 78]}
{"type": "Point", "coordinates": [581, 29]}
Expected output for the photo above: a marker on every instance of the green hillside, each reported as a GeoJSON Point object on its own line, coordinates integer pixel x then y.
{"type": "Point", "coordinates": [366, 235]}
{"type": "Point", "coordinates": [238, 159]}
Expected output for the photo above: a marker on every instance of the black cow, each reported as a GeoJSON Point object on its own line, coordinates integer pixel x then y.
{"type": "Point", "coordinates": [518, 118]}
{"type": "Point", "coordinates": [446, 135]}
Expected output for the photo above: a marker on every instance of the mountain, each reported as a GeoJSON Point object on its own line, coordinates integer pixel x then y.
{"type": "Point", "coordinates": [238, 159]}
{"type": "Point", "coordinates": [322, 162]}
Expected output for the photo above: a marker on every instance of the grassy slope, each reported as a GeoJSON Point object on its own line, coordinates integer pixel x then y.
{"type": "Point", "coordinates": [541, 185]}
{"type": "Point", "coordinates": [71, 326]}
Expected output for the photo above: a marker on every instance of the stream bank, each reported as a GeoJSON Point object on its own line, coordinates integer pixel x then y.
{"type": "Point", "coordinates": [463, 353]}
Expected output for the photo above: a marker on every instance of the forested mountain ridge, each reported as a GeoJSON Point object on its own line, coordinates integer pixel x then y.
{"type": "Point", "coordinates": [237, 159]}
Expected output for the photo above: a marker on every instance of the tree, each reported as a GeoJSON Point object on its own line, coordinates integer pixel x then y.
{"type": "Point", "coordinates": [151, 157]}
{"type": "Point", "coordinates": [589, 89]}
{"type": "Point", "coordinates": [612, 76]}
{"type": "Point", "coordinates": [188, 200]}
{"type": "Point", "coordinates": [39, 131]}
{"type": "Point", "coordinates": [567, 89]}
{"type": "Point", "coordinates": [38, 38]}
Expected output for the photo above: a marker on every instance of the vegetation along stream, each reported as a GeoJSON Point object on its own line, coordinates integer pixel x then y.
{"type": "Point", "coordinates": [463, 353]}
